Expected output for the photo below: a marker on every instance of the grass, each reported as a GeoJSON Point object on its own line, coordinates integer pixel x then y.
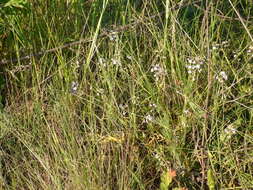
{"type": "Point", "coordinates": [157, 94]}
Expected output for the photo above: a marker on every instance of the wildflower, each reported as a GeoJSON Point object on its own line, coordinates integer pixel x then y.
{"type": "Point", "coordinates": [250, 50]}
{"type": "Point", "coordinates": [230, 130]}
{"type": "Point", "coordinates": [74, 87]}
{"type": "Point", "coordinates": [148, 118]}
{"type": "Point", "coordinates": [78, 64]}
{"type": "Point", "coordinates": [215, 47]}
{"type": "Point", "coordinates": [191, 61]}
{"type": "Point", "coordinates": [129, 57]}
{"type": "Point", "coordinates": [153, 105]}
{"type": "Point", "coordinates": [186, 112]}
{"type": "Point", "coordinates": [225, 43]}
{"type": "Point", "coordinates": [235, 54]}
{"type": "Point", "coordinates": [172, 173]}
{"type": "Point", "coordinates": [116, 62]}
{"type": "Point", "coordinates": [218, 46]}
{"type": "Point", "coordinates": [194, 65]}
{"type": "Point", "coordinates": [158, 71]}
{"type": "Point", "coordinates": [123, 108]}
{"type": "Point", "coordinates": [113, 36]}
{"type": "Point", "coordinates": [222, 76]}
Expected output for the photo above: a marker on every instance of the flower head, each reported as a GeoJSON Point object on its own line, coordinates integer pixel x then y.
{"type": "Point", "coordinates": [74, 87]}
{"type": "Point", "coordinates": [148, 118]}
{"type": "Point", "coordinates": [116, 62]}
{"type": "Point", "coordinates": [157, 71]}
{"type": "Point", "coordinates": [194, 65]}
{"type": "Point", "coordinates": [230, 130]}
{"type": "Point", "coordinates": [222, 76]}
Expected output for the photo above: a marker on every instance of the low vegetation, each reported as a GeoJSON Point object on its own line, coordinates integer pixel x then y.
{"type": "Point", "coordinates": [126, 94]}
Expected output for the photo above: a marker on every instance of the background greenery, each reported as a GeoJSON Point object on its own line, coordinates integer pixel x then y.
{"type": "Point", "coordinates": [158, 95]}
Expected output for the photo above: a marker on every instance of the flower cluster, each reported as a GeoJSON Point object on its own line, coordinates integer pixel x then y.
{"type": "Point", "coordinates": [116, 62]}
{"type": "Point", "coordinates": [218, 46]}
{"type": "Point", "coordinates": [157, 71]}
{"type": "Point", "coordinates": [194, 65]}
{"type": "Point", "coordinates": [221, 77]}
{"type": "Point", "coordinates": [152, 105]}
{"type": "Point", "coordinates": [149, 118]}
{"type": "Point", "coordinates": [227, 133]}
{"type": "Point", "coordinates": [230, 130]}
{"type": "Point", "coordinates": [103, 62]}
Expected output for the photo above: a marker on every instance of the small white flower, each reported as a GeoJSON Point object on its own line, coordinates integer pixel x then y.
{"type": "Point", "coordinates": [197, 67]}
{"type": "Point", "coordinates": [250, 50]}
{"type": "Point", "coordinates": [157, 71]}
{"type": "Point", "coordinates": [189, 67]}
{"type": "Point", "coordinates": [235, 54]}
{"type": "Point", "coordinates": [148, 118]}
{"type": "Point", "coordinates": [74, 87]}
{"type": "Point", "coordinates": [194, 65]}
{"type": "Point", "coordinates": [230, 130]}
{"type": "Point", "coordinates": [153, 105]}
{"type": "Point", "coordinates": [186, 112]}
{"type": "Point", "coordinates": [225, 43]}
{"type": "Point", "coordinates": [116, 62]}
{"type": "Point", "coordinates": [214, 47]}
{"type": "Point", "coordinates": [78, 64]}
{"type": "Point", "coordinates": [218, 46]}
{"type": "Point", "coordinates": [201, 62]}
{"type": "Point", "coordinates": [123, 108]}
{"type": "Point", "coordinates": [113, 36]}
{"type": "Point", "coordinates": [129, 57]}
{"type": "Point", "coordinates": [190, 60]}
{"type": "Point", "coordinates": [222, 76]}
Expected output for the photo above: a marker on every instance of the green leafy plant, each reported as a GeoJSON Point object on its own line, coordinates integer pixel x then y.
{"type": "Point", "coordinates": [166, 179]}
